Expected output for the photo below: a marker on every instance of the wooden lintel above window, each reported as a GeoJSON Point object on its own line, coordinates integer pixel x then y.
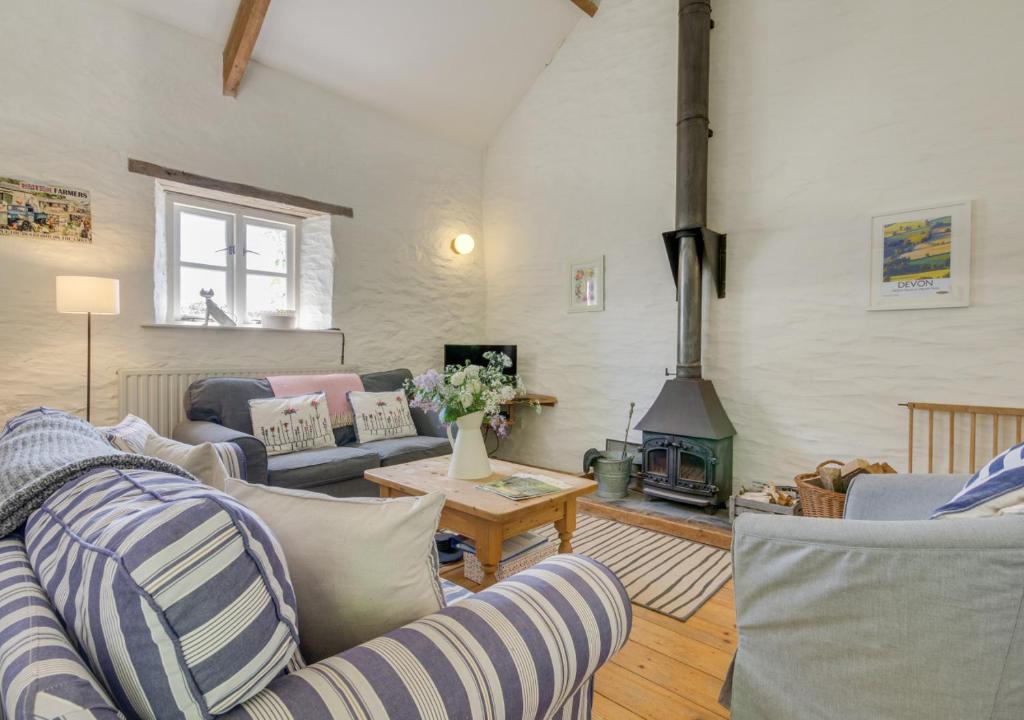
{"type": "Point", "coordinates": [244, 32]}
{"type": "Point", "coordinates": [240, 190]}
{"type": "Point", "coordinates": [587, 6]}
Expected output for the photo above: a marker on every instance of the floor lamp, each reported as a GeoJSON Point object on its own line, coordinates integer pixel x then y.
{"type": "Point", "coordinates": [88, 296]}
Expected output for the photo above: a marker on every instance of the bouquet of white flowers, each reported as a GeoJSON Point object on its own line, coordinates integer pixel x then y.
{"type": "Point", "coordinates": [465, 389]}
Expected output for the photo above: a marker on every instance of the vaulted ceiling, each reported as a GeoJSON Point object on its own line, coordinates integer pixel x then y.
{"type": "Point", "coordinates": [454, 67]}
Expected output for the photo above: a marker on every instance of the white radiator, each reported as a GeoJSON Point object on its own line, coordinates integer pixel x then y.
{"type": "Point", "coordinates": [158, 396]}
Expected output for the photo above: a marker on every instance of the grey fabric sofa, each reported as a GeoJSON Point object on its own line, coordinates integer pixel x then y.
{"type": "Point", "coordinates": [218, 411]}
{"type": "Point", "coordinates": [885, 614]}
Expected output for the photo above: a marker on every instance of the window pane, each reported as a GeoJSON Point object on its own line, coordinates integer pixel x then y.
{"type": "Point", "coordinates": [267, 248]}
{"type": "Point", "coordinates": [201, 239]}
{"type": "Point", "coordinates": [265, 293]}
{"type": "Point", "coordinates": [195, 279]}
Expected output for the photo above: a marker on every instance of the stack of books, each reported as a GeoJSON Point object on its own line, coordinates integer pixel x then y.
{"type": "Point", "coordinates": [517, 554]}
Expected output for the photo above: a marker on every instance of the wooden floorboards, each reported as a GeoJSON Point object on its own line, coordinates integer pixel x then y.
{"type": "Point", "coordinates": [669, 670]}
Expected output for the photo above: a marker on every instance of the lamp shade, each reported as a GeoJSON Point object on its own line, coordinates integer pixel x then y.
{"type": "Point", "coordinates": [80, 294]}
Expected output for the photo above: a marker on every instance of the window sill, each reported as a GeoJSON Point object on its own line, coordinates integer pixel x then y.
{"type": "Point", "coordinates": [249, 328]}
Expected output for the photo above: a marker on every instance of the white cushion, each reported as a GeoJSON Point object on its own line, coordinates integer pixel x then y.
{"type": "Point", "coordinates": [381, 415]}
{"type": "Point", "coordinates": [290, 424]}
{"type": "Point", "coordinates": [361, 567]}
{"type": "Point", "coordinates": [202, 460]}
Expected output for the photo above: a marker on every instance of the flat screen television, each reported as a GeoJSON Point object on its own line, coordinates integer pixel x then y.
{"type": "Point", "coordinates": [459, 354]}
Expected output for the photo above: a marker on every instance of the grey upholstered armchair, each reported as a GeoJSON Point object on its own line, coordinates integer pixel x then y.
{"type": "Point", "coordinates": [885, 614]}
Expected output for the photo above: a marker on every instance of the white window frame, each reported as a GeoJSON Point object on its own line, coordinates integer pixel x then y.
{"type": "Point", "coordinates": [238, 217]}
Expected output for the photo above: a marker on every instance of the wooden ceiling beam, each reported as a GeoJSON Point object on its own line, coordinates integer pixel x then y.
{"type": "Point", "coordinates": [587, 6]}
{"type": "Point", "coordinates": [245, 30]}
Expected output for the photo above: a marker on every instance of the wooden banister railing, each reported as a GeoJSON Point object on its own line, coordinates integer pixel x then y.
{"type": "Point", "coordinates": [998, 430]}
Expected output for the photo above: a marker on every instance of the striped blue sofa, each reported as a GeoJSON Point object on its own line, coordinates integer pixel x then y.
{"type": "Point", "coordinates": [525, 648]}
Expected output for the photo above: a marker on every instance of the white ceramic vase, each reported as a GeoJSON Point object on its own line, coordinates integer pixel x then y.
{"type": "Point", "coordinates": [469, 454]}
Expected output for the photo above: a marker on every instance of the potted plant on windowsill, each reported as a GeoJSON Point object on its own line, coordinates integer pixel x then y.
{"type": "Point", "coordinates": [468, 396]}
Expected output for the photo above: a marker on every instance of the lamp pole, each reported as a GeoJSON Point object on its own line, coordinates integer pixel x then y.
{"type": "Point", "coordinates": [88, 367]}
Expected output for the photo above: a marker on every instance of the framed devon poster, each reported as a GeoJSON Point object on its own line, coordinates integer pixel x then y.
{"type": "Point", "coordinates": [921, 258]}
{"type": "Point", "coordinates": [586, 285]}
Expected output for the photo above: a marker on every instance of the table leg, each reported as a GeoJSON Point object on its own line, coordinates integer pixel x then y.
{"type": "Point", "coordinates": [488, 552]}
{"type": "Point", "coordinates": [566, 526]}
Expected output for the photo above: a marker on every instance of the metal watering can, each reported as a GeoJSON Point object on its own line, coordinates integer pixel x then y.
{"type": "Point", "coordinates": [610, 471]}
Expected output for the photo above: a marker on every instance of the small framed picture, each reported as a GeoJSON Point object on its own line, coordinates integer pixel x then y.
{"type": "Point", "coordinates": [921, 258]}
{"type": "Point", "coordinates": [586, 286]}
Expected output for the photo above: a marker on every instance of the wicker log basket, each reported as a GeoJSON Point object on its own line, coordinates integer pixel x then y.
{"type": "Point", "coordinates": [815, 499]}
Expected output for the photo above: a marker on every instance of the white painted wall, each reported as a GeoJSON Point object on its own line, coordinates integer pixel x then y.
{"type": "Point", "coordinates": [824, 113]}
{"type": "Point", "coordinates": [91, 84]}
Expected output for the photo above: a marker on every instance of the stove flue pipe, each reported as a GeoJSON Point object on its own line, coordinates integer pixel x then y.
{"type": "Point", "coordinates": [692, 132]}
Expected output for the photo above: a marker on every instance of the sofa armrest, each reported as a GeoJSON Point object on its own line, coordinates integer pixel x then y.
{"type": "Point", "coordinates": [195, 432]}
{"type": "Point", "coordinates": [524, 648]}
{"type": "Point", "coordinates": [900, 497]}
{"type": "Point", "coordinates": [878, 619]}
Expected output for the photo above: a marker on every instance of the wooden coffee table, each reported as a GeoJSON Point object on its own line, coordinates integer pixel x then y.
{"type": "Point", "coordinates": [487, 518]}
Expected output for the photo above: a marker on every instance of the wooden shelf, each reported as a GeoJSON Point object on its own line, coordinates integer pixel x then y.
{"type": "Point", "coordinates": [535, 399]}
{"type": "Point", "coordinates": [529, 399]}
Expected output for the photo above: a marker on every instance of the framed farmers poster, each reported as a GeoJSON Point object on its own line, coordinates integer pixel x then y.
{"type": "Point", "coordinates": [921, 258]}
{"type": "Point", "coordinates": [37, 209]}
{"type": "Point", "coordinates": [586, 285]}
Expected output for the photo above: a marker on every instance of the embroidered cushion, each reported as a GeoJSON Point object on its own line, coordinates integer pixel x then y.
{"type": "Point", "coordinates": [177, 596]}
{"type": "Point", "coordinates": [290, 424]}
{"type": "Point", "coordinates": [996, 489]}
{"type": "Point", "coordinates": [381, 415]}
{"type": "Point", "coordinates": [129, 435]}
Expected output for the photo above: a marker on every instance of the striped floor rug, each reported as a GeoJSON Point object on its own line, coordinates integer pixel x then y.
{"type": "Point", "coordinates": [669, 575]}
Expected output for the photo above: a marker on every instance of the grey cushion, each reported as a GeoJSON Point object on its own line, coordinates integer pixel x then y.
{"type": "Point", "coordinates": [385, 381]}
{"type": "Point", "coordinates": [312, 468]}
{"type": "Point", "coordinates": [225, 400]}
{"type": "Point", "coordinates": [396, 451]}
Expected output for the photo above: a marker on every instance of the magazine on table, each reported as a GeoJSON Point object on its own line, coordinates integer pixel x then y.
{"type": "Point", "coordinates": [511, 548]}
{"type": "Point", "coordinates": [524, 486]}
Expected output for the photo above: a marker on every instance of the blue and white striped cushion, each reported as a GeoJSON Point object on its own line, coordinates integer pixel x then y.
{"type": "Point", "coordinates": [993, 490]}
{"type": "Point", "coordinates": [177, 595]}
{"type": "Point", "coordinates": [41, 675]}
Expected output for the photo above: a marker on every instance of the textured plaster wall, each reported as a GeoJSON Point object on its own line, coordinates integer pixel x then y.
{"type": "Point", "coordinates": [93, 84]}
{"type": "Point", "coordinates": [824, 113]}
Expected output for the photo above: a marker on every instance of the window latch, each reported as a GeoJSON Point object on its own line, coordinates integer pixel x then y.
{"type": "Point", "coordinates": [230, 249]}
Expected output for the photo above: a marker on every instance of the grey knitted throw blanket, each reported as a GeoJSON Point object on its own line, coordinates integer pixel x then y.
{"type": "Point", "coordinates": [42, 449]}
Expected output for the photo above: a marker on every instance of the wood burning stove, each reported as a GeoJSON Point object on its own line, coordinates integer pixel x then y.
{"type": "Point", "coordinates": [687, 445]}
{"type": "Point", "coordinates": [687, 437]}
